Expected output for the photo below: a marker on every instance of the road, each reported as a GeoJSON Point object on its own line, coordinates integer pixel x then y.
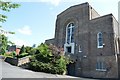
{"type": "Point", "coordinates": [9, 71]}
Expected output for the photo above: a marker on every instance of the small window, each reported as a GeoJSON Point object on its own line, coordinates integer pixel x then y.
{"type": "Point", "coordinates": [69, 49]}
{"type": "Point", "coordinates": [100, 66]}
{"type": "Point", "coordinates": [100, 40]}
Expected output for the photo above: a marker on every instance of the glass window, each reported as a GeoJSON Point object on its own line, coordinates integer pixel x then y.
{"type": "Point", "coordinates": [70, 33]}
{"type": "Point", "coordinates": [101, 66]}
{"type": "Point", "coordinates": [100, 40]}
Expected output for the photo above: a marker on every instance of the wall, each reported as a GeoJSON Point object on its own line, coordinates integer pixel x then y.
{"type": "Point", "coordinates": [17, 51]}
{"type": "Point", "coordinates": [77, 14]}
{"type": "Point", "coordinates": [93, 13]}
{"type": "Point", "coordinates": [102, 24]}
{"type": "Point", "coordinates": [17, 62]}
{"type": "Point", "coordinates": [111, 67]}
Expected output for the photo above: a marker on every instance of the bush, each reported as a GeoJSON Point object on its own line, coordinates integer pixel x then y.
{"type": "Point", "coordinates": [12, 54]}
{"type": "Point", "coordinates": [48, 60]}
{"type": "Point", "coordinates": [22, 55]}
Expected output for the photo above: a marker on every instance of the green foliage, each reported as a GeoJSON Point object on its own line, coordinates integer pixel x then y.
{"type": "Point", "coordinates": [12, 54]}
{"type": "Point", "coordinates": [44, 60]}
{"type": "Point", "coordinates": [22, 50]}
{"type": "Point", "coordinates": [6, 6]}
{"type": "Point", "coordinates": [4, 42]}
{"type": "Point", "coordinates": [33, 51]}
{"type": "Point", "coordinates": [28, 49]}
{"type": "Point", "coordinates": [22, 55]}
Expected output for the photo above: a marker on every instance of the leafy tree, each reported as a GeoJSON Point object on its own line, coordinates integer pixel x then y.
{"type": "Point", "coordinates": [28, 49]}
{"type": "Point", "coordinates": [4, 42]}
{"type": "Point", "coordinates": [5, 6]}
{"type": "Point", "coordinates": [22, 50]}
{"type": "Point", "coordinates": [11, 43]}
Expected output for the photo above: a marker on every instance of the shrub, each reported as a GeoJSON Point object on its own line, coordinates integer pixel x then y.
{"type": "Point", "coordinates": [48, 60]}
{"type": "Point", "coordinates": [22, 50]}
{"type": "Point", "coordinates": [22, 55]}
{"type": "Point", "coordinates": [12, 54]}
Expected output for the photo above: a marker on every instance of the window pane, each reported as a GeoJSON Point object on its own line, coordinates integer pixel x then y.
{"type": "Point", "coordinates": [72, 24]}
{"type": "Point", "coordinates": [72, 35]}
{"type": "Point", "coordinates": [68, 35]}
{"type": "Point", "coordinates": [72, 39]}
{"type": "Point", "coordinates": [100, 39]}
{"type": "Point", "coordinates": [100, 66]}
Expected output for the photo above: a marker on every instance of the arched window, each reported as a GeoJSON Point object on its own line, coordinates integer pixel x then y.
{"type": "Point", "coordinates": [70, 33]}
{"type": "Point", "coordinates": [99, 40]}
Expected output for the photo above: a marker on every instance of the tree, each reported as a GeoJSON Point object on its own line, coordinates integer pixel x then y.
{"type": "Point", "coordinates": [22, 50]}
{"type": "Point", "coordinates": [4, 42]}
{"type": "Point", "coordinates": [28, 49]}
{"type": "Point", "coordinates": [5, 6]}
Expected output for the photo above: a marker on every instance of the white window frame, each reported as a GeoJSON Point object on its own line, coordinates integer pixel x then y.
{"type": "Point", "coordinates": [69, 44]}
{"type": "Point", "coordinates": [72, 45]}
{"type": "Point", "coordinates": [100, 66]}
{"type": "Point", "coordinates": [70, 32]}
{"type": "Point", "coordinates": [98, 42]}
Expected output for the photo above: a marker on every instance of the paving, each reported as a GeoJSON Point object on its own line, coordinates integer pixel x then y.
{"type": "Point", "coordinates": [10, 71]}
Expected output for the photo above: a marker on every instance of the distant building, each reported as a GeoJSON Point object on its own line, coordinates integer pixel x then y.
{"type": "Point", "coordinates": [90, 40]}
{"type": "Point", "coordinates": [15, 48]}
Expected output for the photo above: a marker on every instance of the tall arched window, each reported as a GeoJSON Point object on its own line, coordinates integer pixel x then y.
{"type": "Point", "coordinates": [100, 40]}
{"type": "Point", "coordinates": [70, 33]}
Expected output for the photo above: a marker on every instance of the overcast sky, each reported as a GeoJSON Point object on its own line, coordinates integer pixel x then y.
{"type": "Point", "coordinates": [34, 21]}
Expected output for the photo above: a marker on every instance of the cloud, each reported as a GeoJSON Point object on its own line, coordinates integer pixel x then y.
{"type": "Point", "coordinates": [54, 2]}
{"type": "Point", "coordinates": [25, 30]}
{"type": "Point", "coordinates": [20, 42]}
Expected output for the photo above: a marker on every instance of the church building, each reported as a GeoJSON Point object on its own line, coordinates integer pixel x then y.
{"type": "Point", "coordinates": [90, 40]}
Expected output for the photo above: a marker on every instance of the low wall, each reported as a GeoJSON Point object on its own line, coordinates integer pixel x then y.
{"type": "Point", "coordinates": [11, 61]}
{"type": "Point", "coordinates": [23, 60]}
{"type": "Point", "coordinates": [17, 62]}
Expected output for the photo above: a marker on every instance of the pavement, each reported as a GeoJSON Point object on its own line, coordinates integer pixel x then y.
{"type": "Point", "coordinates": [10, 71]}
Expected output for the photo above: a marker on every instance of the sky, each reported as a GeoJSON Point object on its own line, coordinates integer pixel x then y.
{"type": "Point", "coordinates": [34, 21]}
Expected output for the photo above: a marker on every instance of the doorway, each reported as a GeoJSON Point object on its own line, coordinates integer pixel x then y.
{"type": "Point", "coordinates": [71, 69]}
